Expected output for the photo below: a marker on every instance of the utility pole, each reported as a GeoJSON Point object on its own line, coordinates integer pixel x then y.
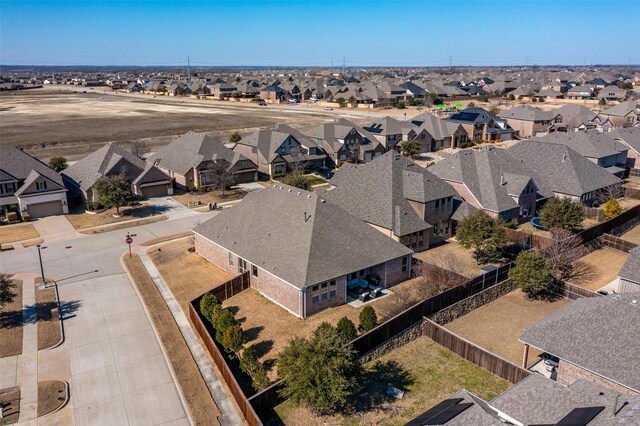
{"type": "Point", "coordinates": [449, 63]}
{"type": "Point", "coordinates": [343, 65]}
{"type": "Point", "coordinates": [188, 70]}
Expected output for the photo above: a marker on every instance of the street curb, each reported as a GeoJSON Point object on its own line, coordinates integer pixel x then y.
{"type": "Point", "coordinates": [162, 348]}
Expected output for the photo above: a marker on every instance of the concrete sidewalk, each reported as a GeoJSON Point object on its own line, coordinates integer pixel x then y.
{"type": "Point", "coordinates": [228, 414]}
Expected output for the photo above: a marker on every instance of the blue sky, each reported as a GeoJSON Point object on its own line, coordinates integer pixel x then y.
{"type": "Point", "coordinates": [306, 33]}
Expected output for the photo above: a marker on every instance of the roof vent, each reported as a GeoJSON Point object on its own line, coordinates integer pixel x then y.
{"type": "Point", "coordinates": [289, 189]}
{"type": "Point", "coordinates": [564, 157]}
{"type": "Point", "coordinates": [322, 200]}
{"type": "Point", "coordinates": [634, 302]}
{"type": "Point", "coordinates": [501, 180]}
{"type": "Point", "coordinates": [299, 192]}
{"type": "Point", "coordinates": [309, 196]}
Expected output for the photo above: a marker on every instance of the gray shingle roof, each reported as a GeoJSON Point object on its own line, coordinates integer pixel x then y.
{"type": "Point", "coordinates": [538, 400]}
{"type": "Point", "coordinates": [332, 133]}
{"type": "Point", "coordinates": [561, 168]}
{"type": "Point", "coordinates": [589, 143]}
{"type": "Point", "coordinates": [600, 334]}
{"type": "Point", "coordinates": [527, 113]}
{"type": "Point", "coordinates": [378, 192]}
{"type": "Point", "coordinates": [630, 271]}
{"type": "Point", "coordinates": [482, 171]}
{"type": "Point", "coordinates": [629, 136]}
{"type": "Point", "coordinates": [436, 127]}
{"type": "Point", "coordinates": [191, 149]}
{"type": "Point", "coordinates": [94, 166]}
{"type": "Point", "coordinates": [269, 140]}
{"type": "Point", "coordinates": [623, 108]}
{"type": "Point", "coordinates": [20, 165]}
{"type": "Point", "coordinates": [298, 237]}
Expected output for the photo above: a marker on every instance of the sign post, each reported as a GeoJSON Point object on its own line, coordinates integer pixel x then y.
{"type": "Point", "coordinates": [129, 240]}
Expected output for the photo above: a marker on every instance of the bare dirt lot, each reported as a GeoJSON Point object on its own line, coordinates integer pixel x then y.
{"type": "Point", "coordinates": [51, 123]}
{"type": "Point", "coordinates": [498, 325]}
{"type": "Point", "coordinates": [632, 235]}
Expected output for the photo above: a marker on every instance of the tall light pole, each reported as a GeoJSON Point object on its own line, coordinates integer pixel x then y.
{"type": "Point", "coordinates": [44, 283]}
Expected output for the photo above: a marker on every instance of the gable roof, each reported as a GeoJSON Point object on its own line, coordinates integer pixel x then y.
{"type": "Point", "coordinates": [17, 164]}
{"type": "Point", "coordinates": [436, 127]}
{"type": "Point", "coordinates": [579, 114]}
{"type": "Point", "coordinates": [378, 192]}
{"type": "Point", "coordinates": [561, 168]}
{"type": "Point", "coordinates": [99, 163]}
{"type": "Point", "coordinates": [527, 113]}
{"type": "Point", "coordinates": [630, 136]}
{"type": "Point", "coordinates": [267, 141]}
{"type": "Point", "coordinates": [589, 143]}
{"type": "Point", "coordinates": [491, 175]}
{"type": "Point", "coordinates": [332, 133]}
{"type": "Point", "coordinates": [390, 126]}
{"type": "Point", "coordinates": [298, 236]}
{"type": "Point", "coordinates": [623, 108]}
{"type": "Point", "coordinates": [612, 321]}
{"type": "Point", "coordinates": [191, 149]}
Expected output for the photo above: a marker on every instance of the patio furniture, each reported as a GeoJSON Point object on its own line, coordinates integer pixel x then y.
{"type": "Point", "coordinates": [376, 292]}
{"type": "Point", "coordinates": [395, 392]}
{"type": "Point", "coordinates": [364, 296]}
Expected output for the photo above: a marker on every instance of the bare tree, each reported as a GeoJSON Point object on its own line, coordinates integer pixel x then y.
{"type": "Point", "coordinates": [443, 272]}
{"type": "Point", "coordinates": [221, 177]}
{"type": "Point", "coordinates": [617, 122]}
{"type": "Point", "coordinates": [604, 194]}
{"type": "Point", "coordinates": [572, 122]}
{"type": "Point", "coordinates": [565, 253]}
{"type": "Point", "coordinates": [139, 148]}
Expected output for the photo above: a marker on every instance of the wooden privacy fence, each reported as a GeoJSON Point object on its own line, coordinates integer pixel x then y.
{"type": "Point", "coordinates": [426, 308]}
{"type": "Point", "coordinates": [232, 287]}
{"type": "Point", "coordinates": [473, 353]}
{"type": "Point", "coordinates": [617, 243]}
{"type": "Point", "coordinates": [205, 332]}
{"type": "Point", "coordinates": [573, 292]}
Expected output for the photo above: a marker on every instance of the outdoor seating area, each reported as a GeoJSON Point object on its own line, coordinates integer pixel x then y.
{"type": "Point", "coordinates": [361, 290]}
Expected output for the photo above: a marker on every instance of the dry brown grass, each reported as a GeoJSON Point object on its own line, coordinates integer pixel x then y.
{"type": "Point", "coordinates": [10, 400]}
{"type": "Point", "coordinates": [199, 402]}
{"type": "Point", "coordinates": [498, 325]}
{"type": "Point", "coordinates": [166, 238]}
{"type": "Point", "coordinates": [51, 396]}
{"type": "Point", "coordinates": [605, 264]}
{"type": "Point", "coordinates": [453, 248]}
{"type": "Point", "coordinates": [80, 219]}
{"type": "Point", "coordinates": [48, 328]}
{"type": "Point", "coordinates": [187, 274]}
{"type": "Point", "coordinates": [10, 234]}
{"type": "Point", "coordinates": [427, 372]}
{"type": "Point", "coordinates": [118, 226]}
{"type": "Point", "coordinates": [192, 199]}
{"type": "Point", "coordinates": [11, 324]}
{"type": "Point", "coordinates": [632, 235]}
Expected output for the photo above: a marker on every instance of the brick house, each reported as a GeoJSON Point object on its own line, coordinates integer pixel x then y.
{"type": "Point", "coordinates": [303, 252]}
{"type": "Point", "coordinates": [528, 121]}
{"type": "Point", "coordinates": [594, 338]}
{"type": "Point", "coordinates": [482, 125]}
{"type": "Point", "coordinates": [489, 179]}
{"type": "Point", "coordinates": [398, 198]}
{"type": "Point", "coordinates": [190, 161]}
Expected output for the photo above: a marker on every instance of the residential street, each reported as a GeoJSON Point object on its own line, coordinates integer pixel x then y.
{"type": "Point", "coordinates": [117, 372]}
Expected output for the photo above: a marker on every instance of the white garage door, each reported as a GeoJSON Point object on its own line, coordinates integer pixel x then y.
{"type": "Point", "coordinates": [50, 208]}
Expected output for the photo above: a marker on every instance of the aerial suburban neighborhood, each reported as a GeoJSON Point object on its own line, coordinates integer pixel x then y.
{"type": "Point", "coordinates": [260, 221]}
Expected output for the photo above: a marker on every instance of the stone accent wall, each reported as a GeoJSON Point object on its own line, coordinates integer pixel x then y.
{"type": "Point", "coordinates": [569, 373]}
{"type": "Point", "coordinates": [473, 302]}
{"type": "Point", "coordinates": [410, 334]}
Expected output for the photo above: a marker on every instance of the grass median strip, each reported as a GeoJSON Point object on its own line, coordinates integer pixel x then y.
{"type": "Point", "coordinates": [10, 400]}
{"type": "Point", "coordinates": [11, 324]}
{"type": "Point", "coordinates": [118, 226]}
{"type": "Point", "coordinates": [48, 327]}
{"type": "Point", "coordinates": [200, 404]}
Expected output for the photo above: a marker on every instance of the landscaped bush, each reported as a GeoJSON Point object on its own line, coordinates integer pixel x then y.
{"type": "Point", "coordinates": [562, 213]}
{"type": "Point", "coordinates": [368, 318]}
{"type": "Point", "coordinates": [26, 217]}
{"type": "Point", "coordinates": [93, 206]}
{"type": "Point", "coordinates": [207, 303]}
{"type": "Point", "coordinates": [250, 365]}
{"type": "Point", "coordinates": [611, 208]}
{"type": "Point", "coordinates": [466, 144]}
{"type": "Point", "coordinates": [12, 216]}
{"type": "Point", "coordinates": [533, 273]}
{"type": "Point", "coordinates": [511, 97]}
{"type": "Point", "coordinates": [347, 329]}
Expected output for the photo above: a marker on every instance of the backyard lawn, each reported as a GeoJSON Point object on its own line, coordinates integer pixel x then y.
{"type": "Point", "coordinates": [79, 219]}
{"type": "Point", "coordinates": [426, 371]}
{"type": "Point", "coordinates": [10, 234]}
{"type": "Point", "coordinates": [605, 264]}
{"type": "Point", "coordinates": [187, 274]}
{"type": "Point", "coordinates": [451, 248]}
{"type": "Point", "coordinates": [632, 235]}
{"type": "Point", "coordinates": [498, 325]}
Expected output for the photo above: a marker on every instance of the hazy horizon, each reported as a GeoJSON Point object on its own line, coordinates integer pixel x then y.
{"type": "Point", "coordinates": [315, 33]}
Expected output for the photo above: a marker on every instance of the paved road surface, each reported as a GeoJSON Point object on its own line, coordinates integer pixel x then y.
{"type": "Point", "coordinates": [118, 373]}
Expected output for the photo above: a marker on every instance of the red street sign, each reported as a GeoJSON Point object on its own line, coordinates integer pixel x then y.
{"type": "Point", "coordinates": [129, 240]}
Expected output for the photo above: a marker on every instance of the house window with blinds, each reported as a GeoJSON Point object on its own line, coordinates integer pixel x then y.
{"type": "Point", "coordinates": [324, 291]}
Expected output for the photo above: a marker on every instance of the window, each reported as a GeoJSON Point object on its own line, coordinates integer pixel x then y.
{"type": "Point", "coordinates": [230, 259]}
{"type": "Point", "coordinates": [324, 291]}
{"type": "Point", "coordinates": [254, 271]}
{"type": "Point", "coordinates": [124, 168]}
{"type": "Point", "coordinates": [40, 185]}
{"type": "Point", "coordinates": [405, 264]}
{"type": "Point", "coordinates": [242, 265]}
